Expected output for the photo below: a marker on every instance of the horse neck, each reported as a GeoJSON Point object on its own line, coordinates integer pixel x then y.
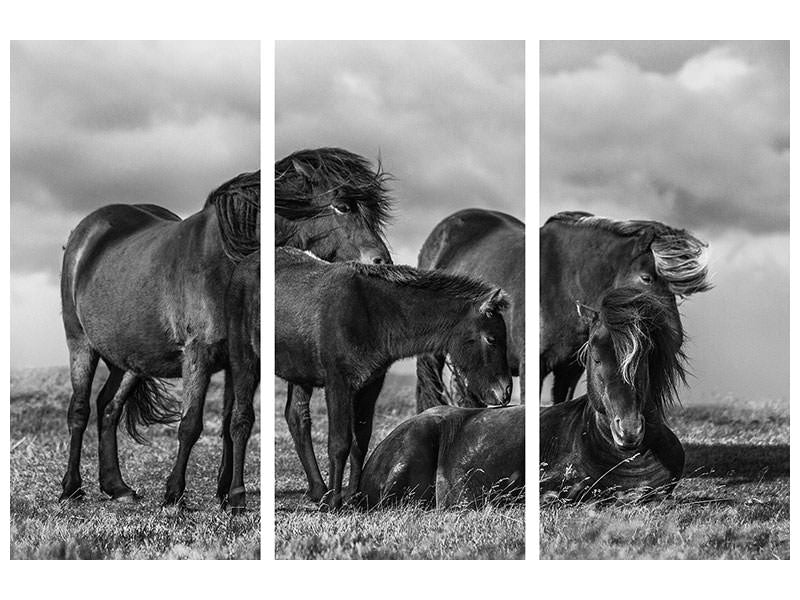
{"type": "Point", "coordinates": [417, 321]}
{"type": "Point", "coordinates": [599, 255]}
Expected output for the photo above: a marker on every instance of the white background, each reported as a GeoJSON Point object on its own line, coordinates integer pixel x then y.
{"type": "Point", "coordinates": [306, 19]}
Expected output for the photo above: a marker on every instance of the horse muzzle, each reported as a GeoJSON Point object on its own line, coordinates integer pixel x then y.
{"type": "Point", "coordinates": [500, 394]}
{"type": "Point", "coordinates": [628, 433]}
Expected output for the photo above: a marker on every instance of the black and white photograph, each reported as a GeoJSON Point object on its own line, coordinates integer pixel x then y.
{"type": "Point", "coordinates": [399, 300]}
{"type": "Point", "coordinates": [135, 310]}
{"type": "Point", "coordinates": [664, 300]}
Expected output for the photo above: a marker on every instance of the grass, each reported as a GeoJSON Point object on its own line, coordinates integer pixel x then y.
{"type": "Point", "coordinates": [733, 502]}
{"type": "Point", "coordinates": [406, 532]}
{"type": "Point", "coordinates": [99, 528]}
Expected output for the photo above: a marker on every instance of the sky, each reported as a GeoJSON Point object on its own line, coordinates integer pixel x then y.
{"type": "Point", "coordinates": [446, 118]}
{"type": "Point", "coordinates": [95, 123]}
{"type": "Point", "coordinates": [696, 135]}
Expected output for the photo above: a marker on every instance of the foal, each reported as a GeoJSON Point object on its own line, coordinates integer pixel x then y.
{"type": "Point", "coordinates": [614, 438]}
{"type": "Point", "coordinates": [340, 326]}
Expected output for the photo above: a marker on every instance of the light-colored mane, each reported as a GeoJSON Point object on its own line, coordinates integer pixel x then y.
{"type": "Point", "coordinates": [680, 258]}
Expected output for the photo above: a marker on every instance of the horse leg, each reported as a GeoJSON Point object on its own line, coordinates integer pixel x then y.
{"type": "Point", "coordinates": [362, 428]}
{"type": "Point", "coordinates": [226, 465]}
{"type": "Point", "coordinates": [565, 380]}
{"type": "Point", "coordinates": [298, 418]}
{"type": "Point", "coordinates": [109, 409]}
{"type": "Point", "coordinates": [246, 379]}
{"type": "Point", "coordinates": [429, 381]}
{"type": "Point", "coordinates": [196, 376]}
{"type": "Point", "coordinates": [339, 399]}
{"type": "Point", "coordinates": [82, 366]}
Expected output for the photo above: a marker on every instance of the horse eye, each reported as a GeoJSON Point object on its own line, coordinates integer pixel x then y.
{"type": "Point", "coordinates": [341, 208]}
{"type": "Point", "coordinates": [646, 278]}
{"type": "Point", "coordinates": [490, 340]}
{"type": "Point", "coordinates": [489, 314]}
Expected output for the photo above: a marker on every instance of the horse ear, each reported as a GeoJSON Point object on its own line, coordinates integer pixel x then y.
{"type": "Point", "coordinates": [302, 169]}
{"type": "Point", "coordinates": [496, 300]}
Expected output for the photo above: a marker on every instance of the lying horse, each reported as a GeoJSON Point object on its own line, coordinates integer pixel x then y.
{"type": "Point", "coordinates": [243, 310]}
{"type": "Point", "coordinates": [145, 291]}
{"type": "Point", "coordinates": [340, 326]}
{"type": "Point", "coordinates": [614, 437]}
{"type": "Point", "coordinates": [332, 203]}
{"type": "Point", "coordinates": [582, 256]}
{"type": "Point", "coordinates": [449, 456]}
{"type": "Point", "coordinates": [490, 246]}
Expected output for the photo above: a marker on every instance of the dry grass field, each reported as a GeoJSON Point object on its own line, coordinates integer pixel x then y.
{"type": "Point", "coordinates": [98, 528]}
{"type": "Point", "coordinates": [733, 502]}
{"type": "Point", "coordinates": [303, 532]}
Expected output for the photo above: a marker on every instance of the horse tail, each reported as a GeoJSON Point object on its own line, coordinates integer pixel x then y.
{"type": "Point", "coordinates": [149, 403]}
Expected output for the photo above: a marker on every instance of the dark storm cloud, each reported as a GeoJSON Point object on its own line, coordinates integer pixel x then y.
{"type": "Point", "coordinates": [99, 122]}
{"type": "Point", "coordinates": [695, 133]}
{"type": "Point", "coordinates": [446, 117]}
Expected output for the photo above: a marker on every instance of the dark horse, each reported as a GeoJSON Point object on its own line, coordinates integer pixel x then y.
{"type": "Point", "coordinates": [341, 325]}
{"type": "Point", "coordinates": [449, 456]}
{"type": "Point", "coordinates": [243, 309]}
{"type": "Point", "coordinates": [332, 203]}
{"type": "Point", "coordinates": [614, 437]}
{"type": "Point", "coordinates": [490, 246]}
{"type": "Point", "coordinates": [145, 291]}
{"type": "Point", "coordinates": [582, 256]}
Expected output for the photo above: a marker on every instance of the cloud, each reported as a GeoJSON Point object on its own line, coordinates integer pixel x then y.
{"type": "Point", "coordinates": [95, 123]}
{"type": "Point", "coordinates": [694, 134]}
{"type": "Point", "coordinates": [705, 145]}
{"type": "Point", "coordinates": [446, 117]}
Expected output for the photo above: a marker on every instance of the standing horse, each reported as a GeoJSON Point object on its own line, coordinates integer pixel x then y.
{"type": "Point", "coordinates": [243, 310]}
{"type": "Point", "coordinates": [145, 291]}
{"type": "Point", "coordinates": [614, 437]}
{"type": "Point", "coordinates": [332, 203]}
{"type": "Point", "coordinates": [449, 456]}
{"type": "Point", "coordinates": [490, 246]}
{"type": "Point", "coordinates": [341, 325]}
{"type": "Point", "coordinates": [582, 256]}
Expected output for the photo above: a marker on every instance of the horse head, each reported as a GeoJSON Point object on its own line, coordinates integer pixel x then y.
{"type": "Point", "coordinates": [331, 202]}
{"type": "Point", "coordinates": [633, 361]}
{"type": "Point", "coordinates": [478, 352]}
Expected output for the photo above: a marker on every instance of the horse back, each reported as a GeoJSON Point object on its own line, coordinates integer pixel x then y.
{"type": "Point", "coordinates": [484, 457]}
{"type": "Point", "coordinates": [469, 230]}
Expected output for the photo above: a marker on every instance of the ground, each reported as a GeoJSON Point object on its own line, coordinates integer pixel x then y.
{"type": "Point", "coordinates": [99, 528]}
{"type": "Point", "coordinates": [733, 502]}
{"type": "Point", "coordinates": [303, 532]}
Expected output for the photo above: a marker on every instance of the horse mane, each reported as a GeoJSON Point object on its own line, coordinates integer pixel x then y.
{"type": "Point", "coordinates": [640, 326]}
{"type": "Point", "coordinates": [680, 258]}
{"type": "Point", "coordinates": [332, 171]}
{"type": "Point", "coordinates": [238, 206]}
{"type": "Point", "coordinates": [453, 285]}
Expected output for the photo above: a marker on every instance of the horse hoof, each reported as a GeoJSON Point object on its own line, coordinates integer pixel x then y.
{"type": "Point", "coordinates": [173, 499]}
{"type": "Point", "coordinates": [316, 493]}
{"type": "Point", "coordinates": [72, 496]}
{"type": "Point", "coordinates": [127, 497]}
